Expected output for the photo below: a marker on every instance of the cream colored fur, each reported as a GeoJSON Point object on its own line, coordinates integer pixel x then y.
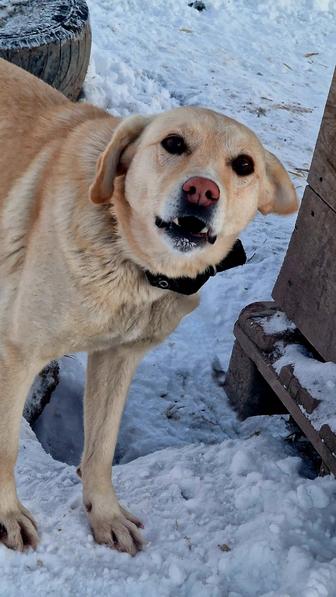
{"type": "Point", "coordinates": [79, 192]}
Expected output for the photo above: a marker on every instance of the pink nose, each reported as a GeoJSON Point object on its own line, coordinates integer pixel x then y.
{"type": "Point", "coordinates": [202, 191]}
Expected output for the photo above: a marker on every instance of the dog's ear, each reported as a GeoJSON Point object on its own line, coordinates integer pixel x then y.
{"type": "Point", "coordinates": [108, 165]}
{"type": "Point", "coordinates": [278, 194]}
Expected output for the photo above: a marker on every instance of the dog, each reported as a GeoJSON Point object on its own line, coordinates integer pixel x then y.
{"type": "Point", "coordinates": [91, 206]}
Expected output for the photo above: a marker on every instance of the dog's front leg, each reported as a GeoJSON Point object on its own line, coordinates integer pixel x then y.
{"type": "Point", "coordinates": [109, 374]}
{"type": "Point", "coordinates": [17, 527]}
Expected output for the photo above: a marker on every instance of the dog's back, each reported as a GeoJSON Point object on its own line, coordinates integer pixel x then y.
{"type": "Point", "coordinates": [23, 99]}
{"type": "Point", "coordinates": [33, 115]}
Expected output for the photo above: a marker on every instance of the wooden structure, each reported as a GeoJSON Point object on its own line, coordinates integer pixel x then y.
{"type": "Point", "coordinates": [52, 40]}
{"type": "Point", "coordinates": [306, 286]}
{"type": "Point", "coordinates": [306, 292]}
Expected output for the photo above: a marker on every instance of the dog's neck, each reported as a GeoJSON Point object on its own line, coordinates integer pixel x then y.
{"type": "Point", "coordinates": [184, 285]}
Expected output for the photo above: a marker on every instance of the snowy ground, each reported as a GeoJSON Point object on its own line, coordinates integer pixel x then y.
{"type": "Point", "coordinates": [233, 519]}
{"type": "Point", "coordinates": [228, 507]}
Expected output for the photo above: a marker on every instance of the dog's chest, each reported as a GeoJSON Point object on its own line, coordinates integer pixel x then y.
{"type": "Point", "coordinates": [149, 322]}
{"type": "Point", "coordinates": [132, 322]}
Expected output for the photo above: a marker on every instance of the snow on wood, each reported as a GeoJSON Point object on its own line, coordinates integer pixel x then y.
{"type": "Point", "coordinates": [317, 377]}
{"type": "Point", "coordinates": [52, 40]}
{"type": "Point", "coordinates": [27, 23]}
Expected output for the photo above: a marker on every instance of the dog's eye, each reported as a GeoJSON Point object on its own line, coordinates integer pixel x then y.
{"type": "Point", "coordinates": [243, 165]}
{"type": "Point", "coordinates": [174, 144]}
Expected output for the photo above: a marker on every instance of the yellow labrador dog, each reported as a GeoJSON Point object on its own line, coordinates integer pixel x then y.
{"type": "Point", "coordinates": [91, 206]}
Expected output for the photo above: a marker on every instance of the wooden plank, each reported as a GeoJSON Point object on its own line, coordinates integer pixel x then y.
{"type": "Point", "coordinates": [306, 286]}
{"type": "Point", "coordinates": [248, 392]}
{"type": "Point", "coordinates": [322, 175]}
{"type": "Point", "coordinates": [328, 437]}
{"type": "Point", "coordinates": [297, 392]}
{"type": "Point", "coordinates": [264, 366]}
{"type": "Point", "coordinates": [250, 320]}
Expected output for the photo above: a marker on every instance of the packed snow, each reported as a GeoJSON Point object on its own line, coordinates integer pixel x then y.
{"type": "Point", "coordinates": [230, 508]}
{"type": "Point", "coordinates": [276, 323]}
{"type": "Point", "coordinates": [10, 7]}
{"type": "Point", "coordinates": [233, 519]}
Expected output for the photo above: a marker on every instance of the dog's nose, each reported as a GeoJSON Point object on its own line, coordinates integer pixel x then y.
{"type": "Point", "coordinates": [202, 191]}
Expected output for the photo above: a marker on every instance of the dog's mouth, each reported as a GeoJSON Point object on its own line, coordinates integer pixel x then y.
{"type": "Point", "coordinates": [187, 232]}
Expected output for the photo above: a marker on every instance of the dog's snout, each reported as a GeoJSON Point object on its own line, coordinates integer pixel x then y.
{"type": "Point", "coordinates": [202, 191]}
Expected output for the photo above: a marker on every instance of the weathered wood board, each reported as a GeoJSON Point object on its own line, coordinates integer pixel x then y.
{"type": "Point", "coordinates": [275, 387]}
{"type": "Point", "coordinates": [247, 390]}
{"type": "Point", "coordinates": [322, 174]}
{"type": "Point", "coordinates": [306, 286]}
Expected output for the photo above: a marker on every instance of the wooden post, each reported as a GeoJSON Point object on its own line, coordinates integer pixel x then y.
{"type": "Point", "coordinates": [50, 39]}
{"type": "Point", "coordinates": [306, 292]}
{"type": "Point", "coordinates": [306, 286]}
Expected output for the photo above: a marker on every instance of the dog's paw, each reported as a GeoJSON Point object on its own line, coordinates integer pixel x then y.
{"type": "Point", "coordinates": [118, 530]}
{"type": "Point", "coordinates": [18, 529]}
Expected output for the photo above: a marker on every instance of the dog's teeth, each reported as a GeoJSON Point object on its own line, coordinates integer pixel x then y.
{"type": "Point", "coordinates": [176, 222]}
{"type": "Point", "coordinates": [160, 223]}
{"type": "Point", "coordinates": [212, 239]}
{"type": "Point", "coordinates": [204, 230]}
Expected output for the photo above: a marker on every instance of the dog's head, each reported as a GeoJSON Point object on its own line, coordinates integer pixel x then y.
{"type": "Point", "coordinates": [191, 181]}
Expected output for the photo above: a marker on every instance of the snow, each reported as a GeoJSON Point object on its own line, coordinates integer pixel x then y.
{"type": "Point", "coordinates": [8, 8]}
{"type": "Point", "coordinates": [216, 481]}
{"type": "Point", "coordinates": [276, 323]}
{"type": "Point", "coordinates": [232, 519]}
{"type": "Point", "coordinates": [60, 426]}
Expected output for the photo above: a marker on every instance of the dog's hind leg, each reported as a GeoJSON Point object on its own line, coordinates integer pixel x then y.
{"type": "Point", "coordinates": [17, 527]}
{"type": "Point", "coordinates": [109, 374]}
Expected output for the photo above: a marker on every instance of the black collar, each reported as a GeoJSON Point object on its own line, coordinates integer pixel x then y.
{"type": "Point", "coordinates": [237, 256]}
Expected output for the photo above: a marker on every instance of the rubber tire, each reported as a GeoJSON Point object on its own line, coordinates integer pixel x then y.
{"type": "Point", "coordinates": [52, 40]}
